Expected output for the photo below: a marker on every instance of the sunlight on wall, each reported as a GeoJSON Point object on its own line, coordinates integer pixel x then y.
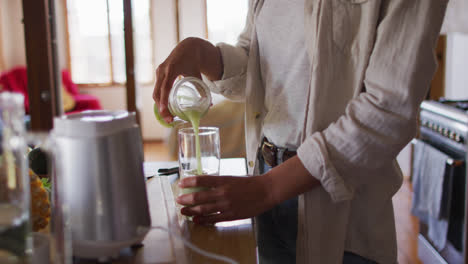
{"type": "Point", "coordinates": [226, 19]}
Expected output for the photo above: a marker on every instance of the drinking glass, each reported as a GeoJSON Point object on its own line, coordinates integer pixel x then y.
{"type": "Point", "coordinates": [207, 162]}
{"type": "Point", "coordinates": [15, 233]}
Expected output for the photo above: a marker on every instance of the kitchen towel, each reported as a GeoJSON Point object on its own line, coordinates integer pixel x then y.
{"type": "Point", "coordinates": [432, 186]}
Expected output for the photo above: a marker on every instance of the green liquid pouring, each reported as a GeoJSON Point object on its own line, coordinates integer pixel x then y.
{"type": "Point", "coordinates": [193, 116]}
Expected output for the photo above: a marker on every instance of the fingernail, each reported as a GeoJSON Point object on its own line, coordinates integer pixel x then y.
{"type": "Point", "coordinates": [186, 211]}
{"type": "Point", "coordinates": [182, 211]}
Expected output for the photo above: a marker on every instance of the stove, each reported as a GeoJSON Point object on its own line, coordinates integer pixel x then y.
{"type": "Point", "coordinates": [443, 124]}
{"type": "Point", "coordinates": [458, 104]}
{"type": "Point", "coordinates": [448, 119]}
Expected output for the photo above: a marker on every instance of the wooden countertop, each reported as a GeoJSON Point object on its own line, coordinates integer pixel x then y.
{"type": "Point", "coordinates": [234, 239]}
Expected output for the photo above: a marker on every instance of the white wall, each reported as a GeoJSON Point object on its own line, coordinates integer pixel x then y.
{"type": "Point", "coordinates": [164, 40]}
{"type": "Point", "coordinates": [456, 81]}
{"type": "Point", "coordinates": [192, 18]}
{"type": "Point", "coordinates": [61, 25]}
{"type": "Point", "coordinates": [192, 23]}
{"type": "Point", "coordinates": [12, 33]}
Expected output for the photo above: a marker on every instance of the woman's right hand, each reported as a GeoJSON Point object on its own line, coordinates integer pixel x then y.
{"type": "Point", "coordinates": [191, 57]}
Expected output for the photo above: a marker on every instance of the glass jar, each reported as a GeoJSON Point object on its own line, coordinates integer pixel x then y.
{"type": "Point", "coordinates": [189, 95]}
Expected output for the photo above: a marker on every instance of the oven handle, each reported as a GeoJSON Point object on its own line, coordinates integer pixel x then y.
{"type": "Point", "coordinates": [450, 162]}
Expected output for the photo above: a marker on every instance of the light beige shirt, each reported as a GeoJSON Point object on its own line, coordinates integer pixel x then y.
{"type": "Point", "coordinates": [371, 66]}
{"type": "Point", "coordinates": [285, 70]}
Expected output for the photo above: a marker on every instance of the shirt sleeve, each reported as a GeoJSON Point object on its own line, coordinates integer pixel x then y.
{"type": "Point", "coordinates": [235, 58]}
{"type": "Point", "coordinates": [379, 122]}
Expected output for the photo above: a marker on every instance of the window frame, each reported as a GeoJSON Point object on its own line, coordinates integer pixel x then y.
{"type": "Point", "coordinates": [111, 66]}
{"type": "Point", "coordinates": [2, 58]}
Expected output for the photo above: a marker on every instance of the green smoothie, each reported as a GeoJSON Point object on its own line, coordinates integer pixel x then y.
{"type": "Point", "coordinates": [192, 115]}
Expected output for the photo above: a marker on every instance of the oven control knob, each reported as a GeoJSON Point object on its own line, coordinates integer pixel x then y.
{"type": "Point", "coordinates": [446, 132]}
{"type": "Point", "coordinates": [440, 129]}
{"type": "Point", "coordinates": [453, 135]}
{"type": "Point", "coordinates": [458, 138]}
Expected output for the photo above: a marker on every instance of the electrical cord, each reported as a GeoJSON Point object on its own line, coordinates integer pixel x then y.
{"type": "Point", "coordinates": [195, 248]}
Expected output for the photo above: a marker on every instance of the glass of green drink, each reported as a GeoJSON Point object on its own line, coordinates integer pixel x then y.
{"type": "Point", "coordinates": [199, 153]}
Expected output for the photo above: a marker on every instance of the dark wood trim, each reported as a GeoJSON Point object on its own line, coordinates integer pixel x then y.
{"type": "Point", "coordinates": [153, 141]}
{"type": "Point", "coordinates": [130, 58]}
{"type": "Point", "coordinates": [39, 58]}
{"type": "Point", "coordinates": [177, 20]}
{"type": "Point", "coordinates": [438, 82]}
{"type": "Point", "coordinates": [109, 40]}
{"type": "Point", "coordinates": [67, 35]}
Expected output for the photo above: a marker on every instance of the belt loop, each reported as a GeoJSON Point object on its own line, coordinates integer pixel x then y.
{"type": "Point", "coordinates": [279, 155]}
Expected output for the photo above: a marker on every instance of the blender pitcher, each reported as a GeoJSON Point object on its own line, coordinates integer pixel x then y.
{"type": "Point", "coordinates": [99, 183]}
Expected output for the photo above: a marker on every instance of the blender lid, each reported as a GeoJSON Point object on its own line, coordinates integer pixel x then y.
{"type": "Point", "coordinates": [94, 123]}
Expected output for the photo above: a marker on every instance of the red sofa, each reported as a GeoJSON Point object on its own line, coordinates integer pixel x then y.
{"type": "Point", "coordinates": [15, 80]}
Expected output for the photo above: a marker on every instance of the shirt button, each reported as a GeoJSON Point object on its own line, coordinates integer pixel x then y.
{"type": "Point", "coordinates": [251, 163]}
{"type": "Point", "coordinates": [257, 115]}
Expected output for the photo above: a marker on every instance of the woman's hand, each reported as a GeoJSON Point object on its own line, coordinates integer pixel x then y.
{"type": "Point", "coordinates": [191, 57]}
{"type": "Point", "coordinates": [228, 198]}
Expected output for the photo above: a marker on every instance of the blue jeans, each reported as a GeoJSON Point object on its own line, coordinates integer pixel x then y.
{"type": "Point", "coordinates": [276, 231]}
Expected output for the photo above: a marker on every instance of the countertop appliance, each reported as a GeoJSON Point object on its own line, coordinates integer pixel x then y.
{"type": "Point", "coordinates": [444, 125]}
{"type": "Point", "coordinates": [100, 156]}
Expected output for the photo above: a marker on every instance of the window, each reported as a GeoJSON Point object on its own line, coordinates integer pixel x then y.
{"type": "Point", "coordinates": [225, 19]}
{"type": "Point", "coordinates": [96, 41]}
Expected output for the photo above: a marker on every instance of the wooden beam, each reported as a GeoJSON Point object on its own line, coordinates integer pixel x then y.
{"type": "Point", "coordinates": [40, 63]}
{"type": "Point", "coordinates": [130, 59]}
{"type": "Point", "coordinates": [177, 20]}
{"type": "Point", "coordinates": [438, 82]}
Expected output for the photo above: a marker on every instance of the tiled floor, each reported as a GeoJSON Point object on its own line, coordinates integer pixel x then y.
{"type": "Point", "coordinates": [406, 224]}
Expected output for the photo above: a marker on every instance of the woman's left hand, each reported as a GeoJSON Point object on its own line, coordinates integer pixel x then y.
{"type": "Point", "coordinates": [227, 198]}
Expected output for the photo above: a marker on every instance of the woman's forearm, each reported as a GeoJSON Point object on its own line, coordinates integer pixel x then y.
{"type": "Point", "coordinates": [289, 179]}
{"type": "Point", "coordinates": [211, 61]}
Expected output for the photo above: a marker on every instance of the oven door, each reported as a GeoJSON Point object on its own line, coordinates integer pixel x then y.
{"type": "Point", "coordinates": [455, 168]}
